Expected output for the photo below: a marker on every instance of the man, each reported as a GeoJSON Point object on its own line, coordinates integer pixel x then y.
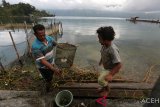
{"type": "Point", "coordinates": [42, 50]}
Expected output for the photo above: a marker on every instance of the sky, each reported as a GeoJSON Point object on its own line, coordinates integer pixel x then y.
{"type": "Point", "coordinates": [148, 6]}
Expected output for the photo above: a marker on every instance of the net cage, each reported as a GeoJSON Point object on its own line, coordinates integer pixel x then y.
{"type": "Point", "coordinates": [65, 54]}
{"type": "Point", "coordinates": [7, 50]}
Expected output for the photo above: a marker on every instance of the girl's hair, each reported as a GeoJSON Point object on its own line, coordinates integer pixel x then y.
{"type": "Point", "coordinates": [106, 33]}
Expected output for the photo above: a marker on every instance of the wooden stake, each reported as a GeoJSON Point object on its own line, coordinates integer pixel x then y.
{"type": "Point", "coordinates": [53, 31]}
{"type": "Point", "coordinates": [54, 21]}
{"type": "Point", "coordinates": [18, 27]}
{"type": "Point", "coordinates": [12, 27]}
{"type": "Point", "coordinates": [15, 49]}
{"type": "Point", "coordinates": [29, 48]}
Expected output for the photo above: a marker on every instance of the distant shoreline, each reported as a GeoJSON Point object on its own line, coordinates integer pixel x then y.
{"type": "Point", "coordinates": [15, 26]}
{"type": "Point", "coordinates": [83, 17]}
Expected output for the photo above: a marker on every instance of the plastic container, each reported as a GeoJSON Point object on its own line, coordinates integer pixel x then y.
{"type": "Point", "coordinates": [64, 98]}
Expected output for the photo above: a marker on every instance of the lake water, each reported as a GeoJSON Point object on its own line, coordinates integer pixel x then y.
{"type": "Point", "coordinates": [138, 43]}
{"type": "Point", "coordinates": [7, 51]}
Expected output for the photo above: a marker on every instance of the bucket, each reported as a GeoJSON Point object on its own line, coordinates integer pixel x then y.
{"type": "Point", "coordinates": [64, 98]}
{"type": "Point", "coordinates": [65, 54]}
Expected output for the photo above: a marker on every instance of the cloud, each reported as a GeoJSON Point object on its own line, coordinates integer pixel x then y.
{"type": "Point", "coordinates": [142, 5]}
{"type": "Point", "coordinates": [73, 4]}
{"type": "Point", "coordinates": [115, 5]}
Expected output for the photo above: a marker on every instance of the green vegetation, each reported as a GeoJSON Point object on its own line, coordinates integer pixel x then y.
{"type": "Point", "coordinates": [17, 12]}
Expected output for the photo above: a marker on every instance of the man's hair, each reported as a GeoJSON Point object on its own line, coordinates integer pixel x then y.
{"type": "Point", "coordinates": [38, 27]}
{"type": "Point", "coordinates": [106, 33]}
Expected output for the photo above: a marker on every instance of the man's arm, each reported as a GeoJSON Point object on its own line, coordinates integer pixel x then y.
{"type": "Point", "coordinates": [50, 66]}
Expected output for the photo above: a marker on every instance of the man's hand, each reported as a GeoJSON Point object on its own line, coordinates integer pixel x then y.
{"type": "Point", "coordinates": [50, 66]}
{"type": "Point", "coordinates": [57, 71]}
{"type": "Point", "coordinates": [109, 77]}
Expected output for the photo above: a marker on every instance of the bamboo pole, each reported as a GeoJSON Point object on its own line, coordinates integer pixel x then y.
{"type": "Point", "coordinates": [15, 49]}
{"type": "Point", "coordinates": [12, 27]}
{"type": "Point", "coordinates": [17, 27]}
{"type": "Point", "coordinates": [30, 52]}
{"type": "Point", "coordinates": [25, 26]}
{"type": "Point", "coordinates": [53, 31]}
{"type": "Point", "coordinates": [32, 24]}
{"type": "Point", "coordinates": [29, 48]}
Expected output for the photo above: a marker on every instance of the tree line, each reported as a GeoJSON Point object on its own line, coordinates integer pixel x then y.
{"type": "Point", "coordinates": [8, 10]}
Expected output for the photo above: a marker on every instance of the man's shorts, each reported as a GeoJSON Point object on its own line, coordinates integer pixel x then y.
{"type": "Point", "coordinates": [47, 74]}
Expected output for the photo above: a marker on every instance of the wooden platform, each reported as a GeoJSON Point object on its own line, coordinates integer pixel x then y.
{"type": "Point", "coordinates": [118, 90]}
{"type": "Point", "coordinates": [144, 20]}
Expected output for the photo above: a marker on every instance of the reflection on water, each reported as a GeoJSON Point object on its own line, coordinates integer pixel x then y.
{"type": "Point", "coordinates": [19, 36]}
{"type": "Point", "coordinates": [139, 43]}
{"type": "Point", "coordinates": [7, 51]}
{"type": "Point", "coordinates": [5, 38]}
